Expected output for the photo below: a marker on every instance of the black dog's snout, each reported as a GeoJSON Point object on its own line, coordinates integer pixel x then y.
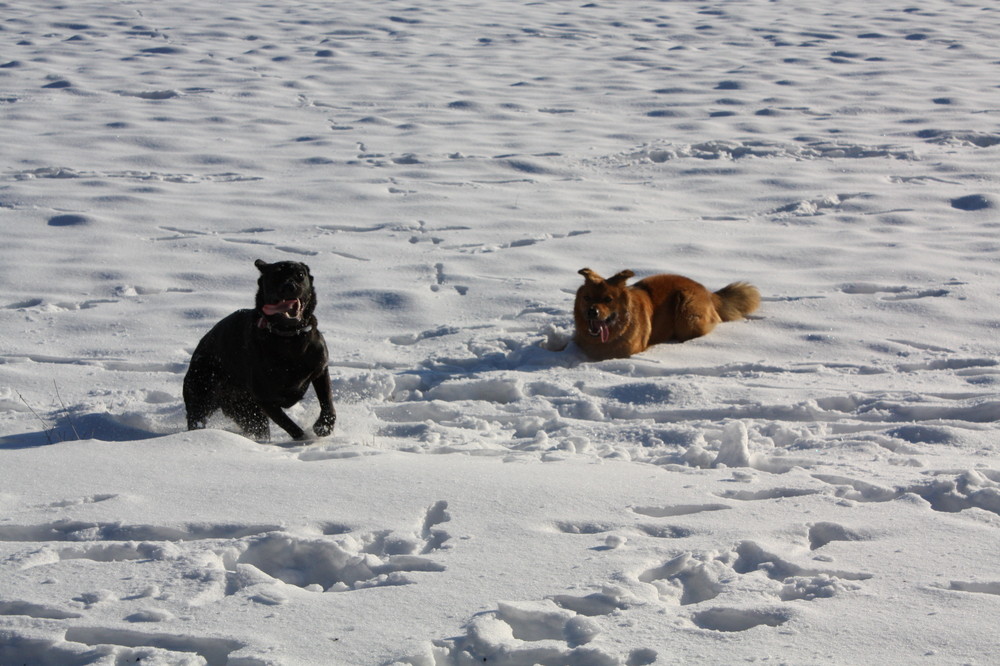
{"type": "Point", "coordinates": [289, 289]}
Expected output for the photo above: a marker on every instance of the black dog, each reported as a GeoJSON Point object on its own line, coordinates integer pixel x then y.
{"type": "Point", "coordinates": [255, 363]}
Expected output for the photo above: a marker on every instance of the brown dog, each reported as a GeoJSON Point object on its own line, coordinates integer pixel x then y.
{"type": "Point", "coordinates": [614, 320]}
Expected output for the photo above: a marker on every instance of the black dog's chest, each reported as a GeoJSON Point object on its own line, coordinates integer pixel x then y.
{"type": "Point", "coordinates": [284, 369]}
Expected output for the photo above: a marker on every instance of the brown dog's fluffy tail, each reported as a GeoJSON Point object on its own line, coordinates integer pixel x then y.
{"type": "Point", "coordinates": [736, 300]}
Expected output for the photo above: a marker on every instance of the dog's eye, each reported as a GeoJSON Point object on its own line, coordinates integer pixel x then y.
{"type": "Point", "coordinates": [606, 299]}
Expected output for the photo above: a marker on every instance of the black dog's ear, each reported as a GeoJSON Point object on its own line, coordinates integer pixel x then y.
{"type": "Point", "coordinates": [590, 276]}
{"type": "Point", "coordinates": [261, 265]}
{"type": "Point", "coordinates": [619, 278]}
{"type": "Point", "coordinates": [310, 306]}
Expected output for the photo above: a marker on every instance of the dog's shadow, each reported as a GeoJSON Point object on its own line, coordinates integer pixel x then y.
{"type": "Point", "coordinates": [556, 351]}
{"type": "Point", "coordinates": [101, 426]}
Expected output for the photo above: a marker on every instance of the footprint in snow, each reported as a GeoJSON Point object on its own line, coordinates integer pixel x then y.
{"type": "Point", "coordinates": [894, 293]}
{"type": "Point", "coordinates": [992, 587]}
{"type": "Point", "coordinates": [767, 494]}
{"type": "Point", "coordinates": [546, 631]}
{"type": "Point", "coordinates": [69, 220]}
{"type": "Point", "coordinates": [37, 611]}
{"type": "Point", "coordinates": [678, 510]}
{"type": "Point", "coordinates": [739, 619]}
{"type": "Point", "coordinates": [823, 533]}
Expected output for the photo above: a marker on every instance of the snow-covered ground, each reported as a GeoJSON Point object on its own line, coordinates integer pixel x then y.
{"type": "Point", "coordinates": [816, 485]}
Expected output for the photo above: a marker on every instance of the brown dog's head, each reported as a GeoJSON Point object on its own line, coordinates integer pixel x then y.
{"type": "Point", "coordinates": [601, 307]}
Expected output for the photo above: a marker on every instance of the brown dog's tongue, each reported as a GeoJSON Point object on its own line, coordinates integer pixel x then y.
{"type": "Point", "coordinates": [277, 308]}
{"type": "Point", "coordinates": [605, 332]}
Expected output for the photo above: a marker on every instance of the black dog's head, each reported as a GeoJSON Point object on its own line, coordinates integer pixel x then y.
{"type": "Point", "coordinates": [285, 294]}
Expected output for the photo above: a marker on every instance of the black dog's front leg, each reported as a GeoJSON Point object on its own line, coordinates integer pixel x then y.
{"type": "Point", "coordinates": [278, 415]}
{"type": "Point", "coordinates": [327, 414]}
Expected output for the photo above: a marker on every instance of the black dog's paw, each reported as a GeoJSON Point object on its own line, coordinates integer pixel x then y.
{"type": "Point", "coordinates": [324, 424]}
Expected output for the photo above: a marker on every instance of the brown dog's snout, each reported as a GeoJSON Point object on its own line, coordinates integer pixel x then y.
{"type": "Point", "coordinates": [593, 312]}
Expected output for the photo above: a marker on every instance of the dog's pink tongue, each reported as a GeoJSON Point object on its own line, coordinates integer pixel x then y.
{"type": "Point", "coordinates": [605, 332]}
{"type": "Point", "coordinates": [278, 308]}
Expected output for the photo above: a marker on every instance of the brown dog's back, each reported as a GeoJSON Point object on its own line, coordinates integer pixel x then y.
{"type": "Point", "coordinates": [681, 308]}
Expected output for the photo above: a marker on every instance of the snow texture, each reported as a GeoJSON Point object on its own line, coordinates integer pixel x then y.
{"type": "Point", "coordinates": [815, 485]}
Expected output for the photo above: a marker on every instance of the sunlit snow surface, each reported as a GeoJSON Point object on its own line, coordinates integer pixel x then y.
{"type": "Point", "coordinates": [815, 485]}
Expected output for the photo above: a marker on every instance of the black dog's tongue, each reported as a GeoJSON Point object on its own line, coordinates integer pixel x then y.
{"type": "Point", "coordinates": [282, 307]}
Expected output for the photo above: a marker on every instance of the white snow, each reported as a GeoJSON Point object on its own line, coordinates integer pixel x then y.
{"type": "Point", "coordinates": [818, 484]}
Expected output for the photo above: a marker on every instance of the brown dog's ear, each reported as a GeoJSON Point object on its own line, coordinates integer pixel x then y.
{"type": "Point", "coordinates": [619, 278]}
{"type": "Point", "coordinates": [261, 265]}
{"type": "Point", "coordinates": [590, 275]}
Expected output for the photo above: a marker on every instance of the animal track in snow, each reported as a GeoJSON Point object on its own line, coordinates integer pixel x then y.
{"type": "Point", "coordinates": [567, 527]}
{"type": "Point", "coordinates": [91, 499]}
{"type": "Point", "coordinates": [214, 651]}
{"type": "Point", "coordinates": [816, 206]}
{"type": "Point", "coordinates": [37, 611]}
{"type": "Point", "coordinates": [895, 293]}
{"type": "Point", "coordinates": [331, 565]}
{"type": "Point", "coordinates": [767, 494]}
{"type": "Point", "coordinates": [542, 633]}
{"type": "Point", "coordinates": [735, 150]}
{"type": "Point", "coordinates": [654, 415]}
{"type": "Point", "coordinates": [978, 489]}
{"type": "Point", "coordinates": [253, 561]}
{"type": "Point", "coordinates": [523, 242]}
{"type": "Point", "coordinates": [82, 531]}
{"type": "Point", "coordinates": [688, 579]}
{"type": "Point", "coordinates": [337, 228]}
{"type": "Point", "coordinates": [112, 364]}
{"type": "Point", "coordinates": [40, 305]}
{"type": "Point", "coordinates": [665, 531]}
{"type": "Point", "coordinates": [78, 645]}
{"type": "Point", "coordinates": [64, 172]}
{"type": "Point", "coordinates": [691, 579]}
{"type": "Point", "coordinates": [348, 561]}
{"type": "Point", "coordinates": [923, 346]}
{"type": "Point", "coordinates": [605, 602]}
{"type": "Point", "coordinates": [820, 534]}
{"type": "Point", "coordinates": [950, 364]}
{"type": "Point", "coordinates": [434, 538]}
{"type": "Point", "coordinates": [180, 233]}
{"type": "Point", "coordinates": [412, 339]}
{"type": "Point", "coordinates": [739, 619]}
{"type": "Point", "coordinates": [678, 510]}
{"type": "Point", "coordinates": [975, 587]}
{"type": "Point", "coordinates": [960, 137]}
{"type": "Point", "coordinates": [857, 490]}
{"type": "Point", "coordinates": [169, 93]}
{"type": "Point", "coordinates": [440, 279]}
{"type": "Point", "coordinates": [296, 250]}
{"type": "Point", "coordinates": [752, 557]}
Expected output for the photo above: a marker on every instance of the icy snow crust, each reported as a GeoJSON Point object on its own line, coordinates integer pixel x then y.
{"type": "Point", "coordinates": [818, 484]}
